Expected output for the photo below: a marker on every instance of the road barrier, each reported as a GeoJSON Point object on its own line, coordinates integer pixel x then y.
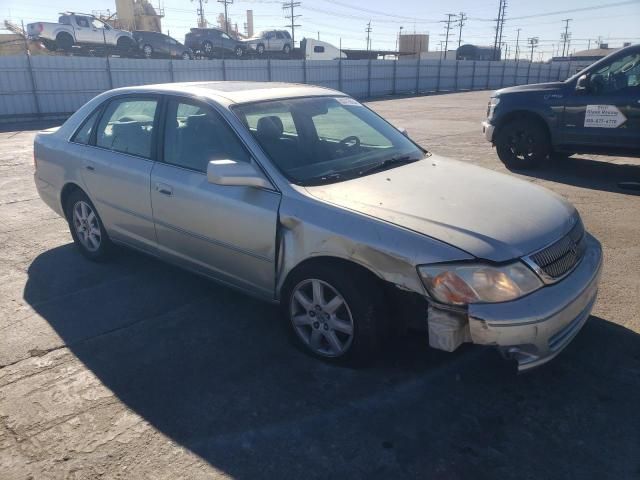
{"type": "Point", "coordinates": [51, 86]}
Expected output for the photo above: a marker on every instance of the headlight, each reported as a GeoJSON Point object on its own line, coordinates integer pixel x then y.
{"type": "Point", "coordinates": [464, 283]}
{"type": "Point", "coordinates": [492, 106]}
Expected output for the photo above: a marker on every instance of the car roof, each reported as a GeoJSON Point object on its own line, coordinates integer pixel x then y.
{"type": "Point", "coordinates": [237, 91]}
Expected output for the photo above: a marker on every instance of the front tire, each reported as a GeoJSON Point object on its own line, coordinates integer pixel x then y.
{"type": "Point", "coordinates": [186, 56]}
{"type": "Point", "coordinates": [86, 227]}
{"type": "Point", "coordinates": [287, 49]}
{"type": "Point", "coordinates": [207, 48]}
{"type": "Point", "coordinates": [335, 312]}
{"type": "Point", "coordinates": [260, 49]}
{"type": "Point", "coordinates": [238, 51]}
{"type": "Point", "coordinates": [523, 144]}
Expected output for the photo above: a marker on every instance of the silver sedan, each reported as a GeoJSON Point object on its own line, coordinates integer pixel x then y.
{"type": "Point", "coordinates": [302, 196]}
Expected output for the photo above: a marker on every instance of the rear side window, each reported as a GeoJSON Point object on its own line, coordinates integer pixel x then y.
{"type": "Point", "coordinates": [83, 135]}
{"type": "Point", "coordinates": [318, 49]}
{"type": "Point", "coordinates": [127, 126]}
{"type": "Point", "coordinates": [195, 134]}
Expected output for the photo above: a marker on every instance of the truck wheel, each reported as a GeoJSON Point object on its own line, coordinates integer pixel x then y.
{"type": "Point", "coordinates": [64, 41]}
{"type": "Point", "coordinates": [287, 49]}
{"type": "Point", "coordinates": [147, 50]}
{"type": "Point", "coordinates": [207, 48]}
{"type": "Point", "coordinates": [238, 51]}
{"type": "Point", "coordinates": [335, 312]}
{"type": "Point", "coordinates": [260, 49]}
{"type": "Point", "coordinates": [86, 227]}
{"type": "Point", "coordinates": [523, 144]}
{"type": "Point", "coordinates": [186, 56]}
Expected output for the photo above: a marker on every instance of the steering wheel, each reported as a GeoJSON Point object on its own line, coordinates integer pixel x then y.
{"type": "Point", "coordinates": [349, 142]}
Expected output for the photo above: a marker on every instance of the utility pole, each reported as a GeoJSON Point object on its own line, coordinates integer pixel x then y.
{"type": "Point", "coordinates": [448, 28]}
{"type": "Point", "coordinates": [518, 43]}
{"type": "Point", "coordinates": [226, 19]}
{"type": "Point", "coordinates": [499, 24]}
{"type": "Point", "coordinates": [398, 41]}
{"type": "Point", "coordinates": [292, 16]}
{"type": "Point", "coordinates": [504, 9]}
{"type": "Point", "coordinates": [202, 23]}
{"type": "Point", "coordinates": [565, 36]}
{"type": "Point", "coordinates": [533, 41]}
{"type": "Point", "coordinates": [461, 18]}
{"type": "Point", "coordinates": [368, 30]}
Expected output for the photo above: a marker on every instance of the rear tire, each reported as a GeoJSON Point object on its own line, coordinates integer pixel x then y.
{"type": "Point", "coordinates": [260, 49]}
{"type": "Point", "coordinates": [124, 44]}
{"type": "Point", "coordinates": [207, 48]}
{"type": "Point", "coordinates": [335, 312]}
{"type": "Point", "coordinates": [64, 41]}
{"type": "Point", "coordinates": [287, 49]}
{"type": "Point", "coordinates": [186, 56]}
{"type": "Point", "coordinates": [238, 51]}
{"type": "Point", "coordinates": [147, 50]}
{"type": "Point", "coordinates": [86, 227]}
{"type": "Point", "coordinates": [523, 144]}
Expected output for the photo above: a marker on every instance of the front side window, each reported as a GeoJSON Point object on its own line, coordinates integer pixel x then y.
{"type": "Point", "coordinates": [195, 134]}
{"type": "Point", "coordinates": [226, 37]}
{"type": "Point", "coordinates": [325, 139]}
{"type": "Point", "coordinates": [617, 76]}
{"type": "Point", "coordinates": [82, 22]}
{"type": "Point", "coordinates": [127, 126]}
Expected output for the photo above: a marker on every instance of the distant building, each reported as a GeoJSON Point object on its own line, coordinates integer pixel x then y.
{"type": "Point", "coordinates": [413, 44]}
{"type": "Point", "coordinates": [477, 52]}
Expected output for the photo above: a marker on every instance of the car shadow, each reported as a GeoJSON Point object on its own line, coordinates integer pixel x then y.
{"type": "Point", "coordinates": [215, 371]}
{"type": "Point", "coordinates": [588, 173]}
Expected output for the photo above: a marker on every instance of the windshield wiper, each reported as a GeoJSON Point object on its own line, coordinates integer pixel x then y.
{"type": "Point", "coordinates": [389, 162]}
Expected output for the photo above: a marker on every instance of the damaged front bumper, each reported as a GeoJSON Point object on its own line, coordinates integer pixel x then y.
{"type": "Point", "coordinates": [536, 328]}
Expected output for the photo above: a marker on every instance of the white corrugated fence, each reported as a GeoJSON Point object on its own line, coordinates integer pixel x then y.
{"type": "Point", "coordinates": [46, 86]}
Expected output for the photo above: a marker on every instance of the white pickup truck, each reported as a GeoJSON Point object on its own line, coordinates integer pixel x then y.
{"type": "Point", "coordinates": [79, 29]}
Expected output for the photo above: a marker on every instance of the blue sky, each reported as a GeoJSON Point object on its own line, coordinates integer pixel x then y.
{"type": "Point", "coordinates": [347, 19]}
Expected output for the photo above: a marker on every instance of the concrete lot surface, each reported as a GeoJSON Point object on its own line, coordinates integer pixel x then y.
{"type": "Point", "coordinates": [134, 369]}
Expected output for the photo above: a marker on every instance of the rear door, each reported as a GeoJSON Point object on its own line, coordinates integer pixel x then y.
{"type": "Point", "coordinates": [606, 114]}
{"type": "Point", "coordinates": [117, 168]}
{"type": "Point", "coordinates": [228, 232]}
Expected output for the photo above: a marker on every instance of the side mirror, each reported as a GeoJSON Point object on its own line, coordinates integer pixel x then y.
{"type": "Point", "coordinates": [230, 172]}
{"type": "Point", "coordinates": [582, 85]}
{"type": "Point", "coordinates": [403, 131]}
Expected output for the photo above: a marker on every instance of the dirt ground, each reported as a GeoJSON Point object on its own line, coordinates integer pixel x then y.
{"type": "Point", "coordinates": [134, 369]}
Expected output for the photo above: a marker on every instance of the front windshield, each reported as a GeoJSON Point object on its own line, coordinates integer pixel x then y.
{"type": "Point", "coordinates": [315, 140]}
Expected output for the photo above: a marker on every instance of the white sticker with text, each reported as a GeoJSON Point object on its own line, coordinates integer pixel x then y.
{"type": "Point", "coordinates": [603, 116]}
{"type": "Point", "coordinates": [348, 101]}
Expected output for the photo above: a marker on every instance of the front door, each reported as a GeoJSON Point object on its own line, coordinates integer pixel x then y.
{"type": "Point", "coordinates": [117, 170]}
{"type": "Point", "coordinates": [88, 31]}
{"type": "Point", "coordinates": [228, 232]}
{"type": "Point", "coordinates": [607, 113]}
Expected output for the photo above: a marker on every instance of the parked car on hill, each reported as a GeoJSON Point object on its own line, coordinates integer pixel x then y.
{"type": "Point", "coordinates": [595, 111]}
{"type": "Point", "coordinates": [212, 42]}
{"type": "Point", "coordinates": [79, 29]}
{"type": "Point", "coordinates": [269, 41]}
{"type": "Point", "coordinates": [302, 196]}
{"type": "Point", "coordinates": [159, 45]}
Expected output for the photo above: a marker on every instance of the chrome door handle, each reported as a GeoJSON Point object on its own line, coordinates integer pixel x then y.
{"type": "Point", "coordinates": [164, 189]}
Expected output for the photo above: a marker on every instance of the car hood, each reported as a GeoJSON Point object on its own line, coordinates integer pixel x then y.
{"type": "Point", "coordinates": [534, 87]}
{"type": "Point", "coordinates": [487, 214]}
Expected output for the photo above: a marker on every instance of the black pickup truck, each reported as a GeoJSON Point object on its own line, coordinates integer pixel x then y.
{"type": "Point", "coordinates": [596, 111]}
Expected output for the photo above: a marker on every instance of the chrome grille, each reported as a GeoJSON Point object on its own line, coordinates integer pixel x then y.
{"type": "Point", "coordinates": [559, 258]}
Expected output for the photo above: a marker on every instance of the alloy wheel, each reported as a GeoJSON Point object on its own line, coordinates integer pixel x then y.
{"type": "Point", "coordinates": [321, 318]}
{"type": "Point", "coordinates": [85, 223]}
{"type": "Point", "coordinates": [148, 51]}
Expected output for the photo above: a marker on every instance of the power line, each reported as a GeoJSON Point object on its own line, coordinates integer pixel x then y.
{"type": "Point", "coordinates": [292, 16]}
